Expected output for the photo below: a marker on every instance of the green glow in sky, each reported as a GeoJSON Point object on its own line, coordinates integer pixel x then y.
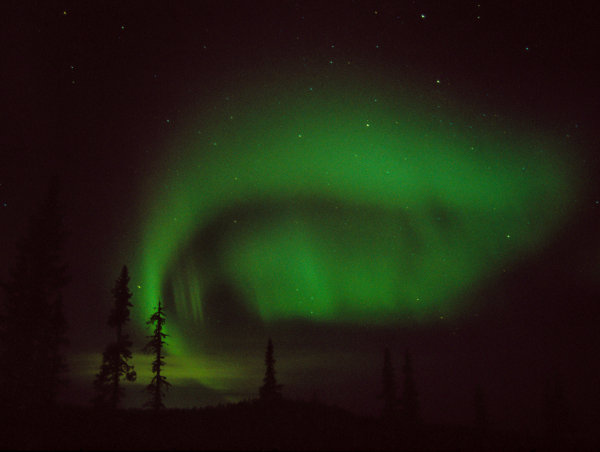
{"type": "Point", "coordinates": [342, 202]}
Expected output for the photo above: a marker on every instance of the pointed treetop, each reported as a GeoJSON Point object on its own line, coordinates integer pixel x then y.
{"type": "Point", "coordinates": [121, 293]}
{"type": "Point", "coordinates": [270, 390]}
{"type": "Point", "coordinates": [159, 384]}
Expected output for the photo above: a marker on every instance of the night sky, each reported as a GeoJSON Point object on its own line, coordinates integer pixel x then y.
{"type": "Point", "coordinates": [339, 176]}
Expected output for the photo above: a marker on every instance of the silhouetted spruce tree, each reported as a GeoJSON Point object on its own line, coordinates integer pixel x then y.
{"type": "Point", "coordinates": [32, 325]}
{"type": "Point", "coordinates": [388, 393]}
{"type": "Point", "coordinates": [155, 345]}
{"type": "Point", "coordinates": [116, 355]}
{"type": "Point", "coordinates": [409, 399]}
{"type": "Point", "coordinates": [270, 391]}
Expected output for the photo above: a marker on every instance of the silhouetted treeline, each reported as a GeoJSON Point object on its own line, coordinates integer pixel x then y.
{"type": "Point", "coordinates": [32, 340]}
{"type": "Point", "coordinates": [32, 324]}
{"type": "Point", "coordinates": [248, 425]}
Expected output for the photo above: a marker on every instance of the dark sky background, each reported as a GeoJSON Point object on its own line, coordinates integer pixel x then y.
{"type": "Point", "coordinates": [87, 88]}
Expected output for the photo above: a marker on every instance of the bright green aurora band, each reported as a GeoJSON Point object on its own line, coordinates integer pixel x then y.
{"type": "Point", "coordinates": [340, 202]}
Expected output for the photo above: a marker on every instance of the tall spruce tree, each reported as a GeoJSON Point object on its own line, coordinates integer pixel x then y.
{"type": "Point", "coordinates": [32, 323]}
{"type": "Point", "coordinates": [270, 391]}
{"type": "Point", "coordinates": [155, 345]}
{"type": "Point", "coordinates": [116, 356]}
{"type": "Point", "coordinates": [388, 393]}
{"type": "Point", "coordinates": [409, 399]}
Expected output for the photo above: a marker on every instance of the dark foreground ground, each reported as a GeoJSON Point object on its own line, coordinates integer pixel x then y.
{"type": "Point", "coordinates": [250, 425]}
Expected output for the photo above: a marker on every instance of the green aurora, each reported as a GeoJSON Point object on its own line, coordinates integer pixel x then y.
{"type": "Point", "coordinates": [353, 202]}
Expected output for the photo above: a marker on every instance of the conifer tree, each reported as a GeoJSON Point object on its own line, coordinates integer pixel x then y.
{"type": "Point", "coordinates": [409, 399]}
{"type": "Point", "coordinates": [115, 358]}
{"type": "Point", "coordinates": [155, 345]}
{"type": "Point", "coordinates": [270, 391]}
{"type": "Point", "coordinates": [388, 393]}
{"type": "Point", "coordinates": [32, 324]}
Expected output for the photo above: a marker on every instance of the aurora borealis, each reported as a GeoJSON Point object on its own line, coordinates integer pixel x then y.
{"type": "Point", "coordinates": [338, 176]}
{"type": "Point", "coordinates": [341, 205]}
